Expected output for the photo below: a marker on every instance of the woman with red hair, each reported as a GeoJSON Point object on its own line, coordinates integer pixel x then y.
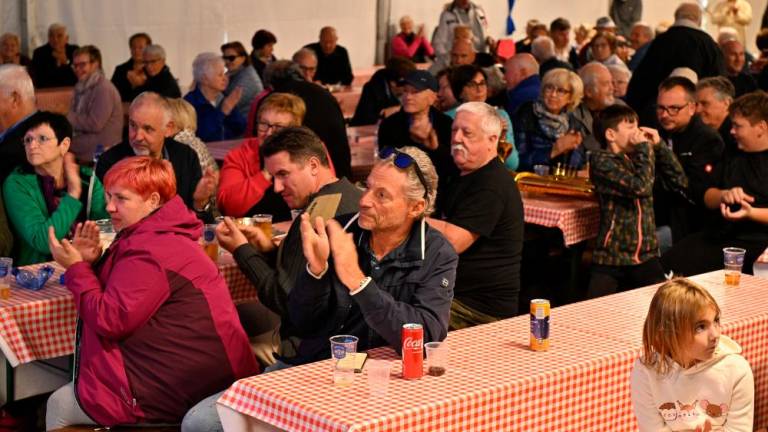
{"type": "Point", "coordinates": [158, 331]}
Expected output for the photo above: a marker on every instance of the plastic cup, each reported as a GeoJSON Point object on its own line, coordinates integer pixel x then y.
{"type": "Point", "coordinates": [295, 213]}
{"type": "Point", "coordinates": [264, 223]}
{"type": "Point", "coordinates": [733, 260]}
{"type": "Point", "coordinates": [541, 170]}
{"type": "Point", "coordinates": [342, 348]}
{"type": "Point", "coordinates": [6, 264]}
{"type": "Point", "coordinates": [210, 244]}
{"type": "Point", "coordinates": [106, 232]}
{"type": "Point", "coordinates": [378, 372]}
{"type": "Point", "coordinates": [437, 358]}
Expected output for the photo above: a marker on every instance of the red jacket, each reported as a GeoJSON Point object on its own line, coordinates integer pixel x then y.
{"type": "Point", "coordinates": [241, 183]}
{"type": "Point", "coordinates": [158, 331]}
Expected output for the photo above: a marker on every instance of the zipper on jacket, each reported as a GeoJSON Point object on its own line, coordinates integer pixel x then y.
{"type": "Point", "coordinates": [639, 230]}
{"type": "Point", "coordinates": [610, 231]}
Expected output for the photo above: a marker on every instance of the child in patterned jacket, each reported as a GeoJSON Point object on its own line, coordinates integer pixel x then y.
{"type": "Point", "coordinates": [626, 255]}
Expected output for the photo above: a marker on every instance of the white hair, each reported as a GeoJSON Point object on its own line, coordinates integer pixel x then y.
{"type": "Point", "coordinates": [204, 64]}
{"type": "Point", "coordinates": [543, 48]}
{"type": "Point", "coordinates": [619, 68]}
{"type": "Point", "coordinates": [154, 51]}
{"type": "Point", "coordinates": [55, 27]}
{"type": "Point", "coordinates": [152, 99]}
{"type": "Point", "coordinates": [14, 78]}
{"type": "Point", "coordinates": [490, 122]}
{"type": "Point", "coordinates": [302, 54]}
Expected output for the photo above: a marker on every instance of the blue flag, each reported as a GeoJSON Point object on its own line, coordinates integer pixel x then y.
{"type": "Point", "coordinates": [510, 22]}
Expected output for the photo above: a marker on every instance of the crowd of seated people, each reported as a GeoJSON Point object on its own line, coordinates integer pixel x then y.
{"type": "Point", "coordinates": [670, 126]}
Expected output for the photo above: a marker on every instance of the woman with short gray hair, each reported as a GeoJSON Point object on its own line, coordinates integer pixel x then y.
{"type": "Point", "coordinates": [217, 118]}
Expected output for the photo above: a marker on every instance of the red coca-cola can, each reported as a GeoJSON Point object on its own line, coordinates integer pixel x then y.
{"type": "Point", "coordinates": [413, 351]}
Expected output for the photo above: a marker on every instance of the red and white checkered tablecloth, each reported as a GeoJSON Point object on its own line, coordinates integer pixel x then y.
{"type": "Point", "coordinates": [494, 382]}
{"type": "Point", "coordinates": [577, 218]}
{"type": "Point", "coordinates": [36, 325]}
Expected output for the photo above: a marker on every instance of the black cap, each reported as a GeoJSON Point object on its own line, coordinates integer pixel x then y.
{"type": "Point", "coordinates": [420, 80]}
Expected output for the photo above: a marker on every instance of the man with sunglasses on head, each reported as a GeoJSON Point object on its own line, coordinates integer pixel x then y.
{"type": "Point", "coordinates": [420, 124]}
{"type": "Point", "coordinates": [481, 215]}
{"type": "Point", "coordinates": [697, 147]}
{"type": "Point", "coordinates": [381, 269]}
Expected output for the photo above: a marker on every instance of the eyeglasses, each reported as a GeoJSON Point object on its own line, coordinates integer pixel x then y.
{"type": "Point", "coordinates": [403, 161]}
{"type": "Point", "coordinates": [308, 68]}
{"type": "Point", "coordinates": [672, 110]}
{"type": "Point", "coordinates": [264, 126]}
{"type": "Point", "coordinates": [41, 139]}
{"type": "Point", "coordinates": [153, 61]}
{"type": "Point", "coordinates": [79, 65]}
{"type": "Point", "coordinates": [559, 91]}
{"type": "Point", "coordinates": [475, 85]}
{"type": "Point", "coordinates": [230, 58]}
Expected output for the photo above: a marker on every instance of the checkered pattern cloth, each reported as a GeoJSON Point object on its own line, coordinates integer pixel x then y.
{"type": "Point", "coordinates": [36, 325]}
{"type": "Point", "coordinates": [577, 218]}
{"type": "Point", "coordinates": [494, 382]}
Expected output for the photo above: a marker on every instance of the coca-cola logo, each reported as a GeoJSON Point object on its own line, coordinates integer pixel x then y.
{"type": "Point", "coordinates": [411, 344]}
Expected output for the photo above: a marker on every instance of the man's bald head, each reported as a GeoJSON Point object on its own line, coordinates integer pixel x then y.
{"type": "Point", "coordinates": [462, 52]}
{"type": "Point", "coordinates": [328, 39]}
{"type": "Point", "coordinates": [689, 11]}
{"type": "Point", "coordinates": [518, 68]}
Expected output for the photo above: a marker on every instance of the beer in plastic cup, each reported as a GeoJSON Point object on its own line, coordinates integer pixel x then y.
{"type": "Point", "coordinates": [6, 264]}
{"type": "Point", "coordinates": [264, 223]}
{"type": "Point", "coordinates": [733, 260]}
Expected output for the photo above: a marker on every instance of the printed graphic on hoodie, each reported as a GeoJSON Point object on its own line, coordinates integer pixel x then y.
{"type": "Point", "coordinates": [694, 413]}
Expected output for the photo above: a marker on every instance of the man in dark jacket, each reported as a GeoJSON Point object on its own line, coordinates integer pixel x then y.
{"type": "Point", "coordinates": [683, 45]}
{"type": "Point", "coordinates": [381, 94]}
{"type": "Point", "coordinates": [130, 75]}
{"type": "Point", "coordinates": [421, 125]}
{"type": "Point", "coordinates": [521, 72]}
{"type": "Point", "coordinates": [699, 149]}
{"type": "Point", "coordinates": [149, 135]}
{"type": "Point", "coordinates": [52, 62]}
{"type": "Point", "coordinates": [297, 161]}
{"type": "Point", "coordinates": [333, 66]}
{"type": "Point", "coordinates": [385, 268]}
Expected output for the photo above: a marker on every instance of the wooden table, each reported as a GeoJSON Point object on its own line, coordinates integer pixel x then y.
{"type": "Point", "coordinates": [348, 99]}
{"type": "Point", "coordinates": [494, 382]}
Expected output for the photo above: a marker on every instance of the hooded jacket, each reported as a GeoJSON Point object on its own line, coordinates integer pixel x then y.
{"type": "Point", "coordinates": [720, 390]}
{"type": "Point", "coordinates": [158, 331]}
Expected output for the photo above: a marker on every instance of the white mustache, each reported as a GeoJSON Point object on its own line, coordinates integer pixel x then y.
{"type": "Point", "coordinates": [459, 148]}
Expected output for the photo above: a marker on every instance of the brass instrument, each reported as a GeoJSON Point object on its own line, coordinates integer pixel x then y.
{"type": "Point", "coordinates": [555, 184]}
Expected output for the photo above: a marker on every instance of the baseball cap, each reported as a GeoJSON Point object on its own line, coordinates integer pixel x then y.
{"type": "Point", "coordinates": [420, 80]}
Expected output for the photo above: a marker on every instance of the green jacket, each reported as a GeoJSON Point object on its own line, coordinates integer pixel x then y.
{"type": "Point", "coordinates": [624, 186]}
{"type": "Point", "coordinates": [29, 218]}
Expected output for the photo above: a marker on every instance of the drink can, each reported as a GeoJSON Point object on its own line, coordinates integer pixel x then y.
{"type": "Point", "coordinates": [413, 351]}
{"type": "Point", "coordinates": [539, 325]}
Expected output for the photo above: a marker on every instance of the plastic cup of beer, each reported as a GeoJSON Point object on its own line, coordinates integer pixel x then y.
{"type": "Point", "coordinates": [437, 358]}
{"type": "Point", "coordinates": [6, 264]}
{"type": "Point", "coordinates": [210, 244]}
{"type": "Point", "coordinates": [378, 372]}
{"type": "Point", "coordinates": [264, 223]}
{"type": "Point", "coordinates": [343, 350]}
{"type": "Point", "coordinates": [541, 170]}
{"type": "Point", "coordinates": [733, 260]}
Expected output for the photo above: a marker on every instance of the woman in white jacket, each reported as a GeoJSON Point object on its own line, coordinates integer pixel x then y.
{"type": "Point", "coordinates": [689, 377]}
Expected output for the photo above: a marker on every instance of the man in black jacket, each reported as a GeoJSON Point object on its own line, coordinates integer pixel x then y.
{"type": "Point", "coordinates": [52, 62]}
{"type": "Point", "coordinates": [381, 94]}
{"type": "Point", "coordinates": [130, 75]}
{"type": "Point", "coordinates": [149, 135]}
{"type": "Point", "coordinates": [158, 77]}
{"type": "Point", "coordinates": [683, 45]}
{"type": "Point", "coordinates": [698, 148]}
{"type": "Point", "coordinates": [333, 66]}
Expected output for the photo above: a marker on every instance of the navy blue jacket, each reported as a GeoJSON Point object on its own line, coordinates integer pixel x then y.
{"type": "Point", "coordinates": [212, 124]}
{"type": "Point", "coordinates": [526, 90]}
{"type": "Point", "coordinates": [412, 284]}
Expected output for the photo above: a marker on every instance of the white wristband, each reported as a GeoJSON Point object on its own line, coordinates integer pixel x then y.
{"type": "Point", "coordinates": [322, 273]}
{"type": "Point", "coordinates": [363, 283]}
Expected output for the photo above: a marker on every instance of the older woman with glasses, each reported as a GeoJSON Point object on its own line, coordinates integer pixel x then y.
{"type": "Point", "coordinates": [52, 191]}
{"type": "Point", "coordinates": [97, 111]}
{"type": "Point", "coordinates": [217, 118]}
{"type": "Point", "coordinates": [545, 130]}
{"type": "Point", "coordinates": [469, 84]}
{"type": "Point", "coordinates": [245, 187]}
{"type": "Point", "coordinates": [241, 75]}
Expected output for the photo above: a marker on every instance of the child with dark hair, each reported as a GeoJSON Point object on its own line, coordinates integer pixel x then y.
{"type": "Point", "coordinates": [626, 255]}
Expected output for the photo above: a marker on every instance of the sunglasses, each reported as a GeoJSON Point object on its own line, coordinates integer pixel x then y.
{"type": "Point", "coordinates": [403, 161]}
{"type": "Point", "coordinates": [230, 58]}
